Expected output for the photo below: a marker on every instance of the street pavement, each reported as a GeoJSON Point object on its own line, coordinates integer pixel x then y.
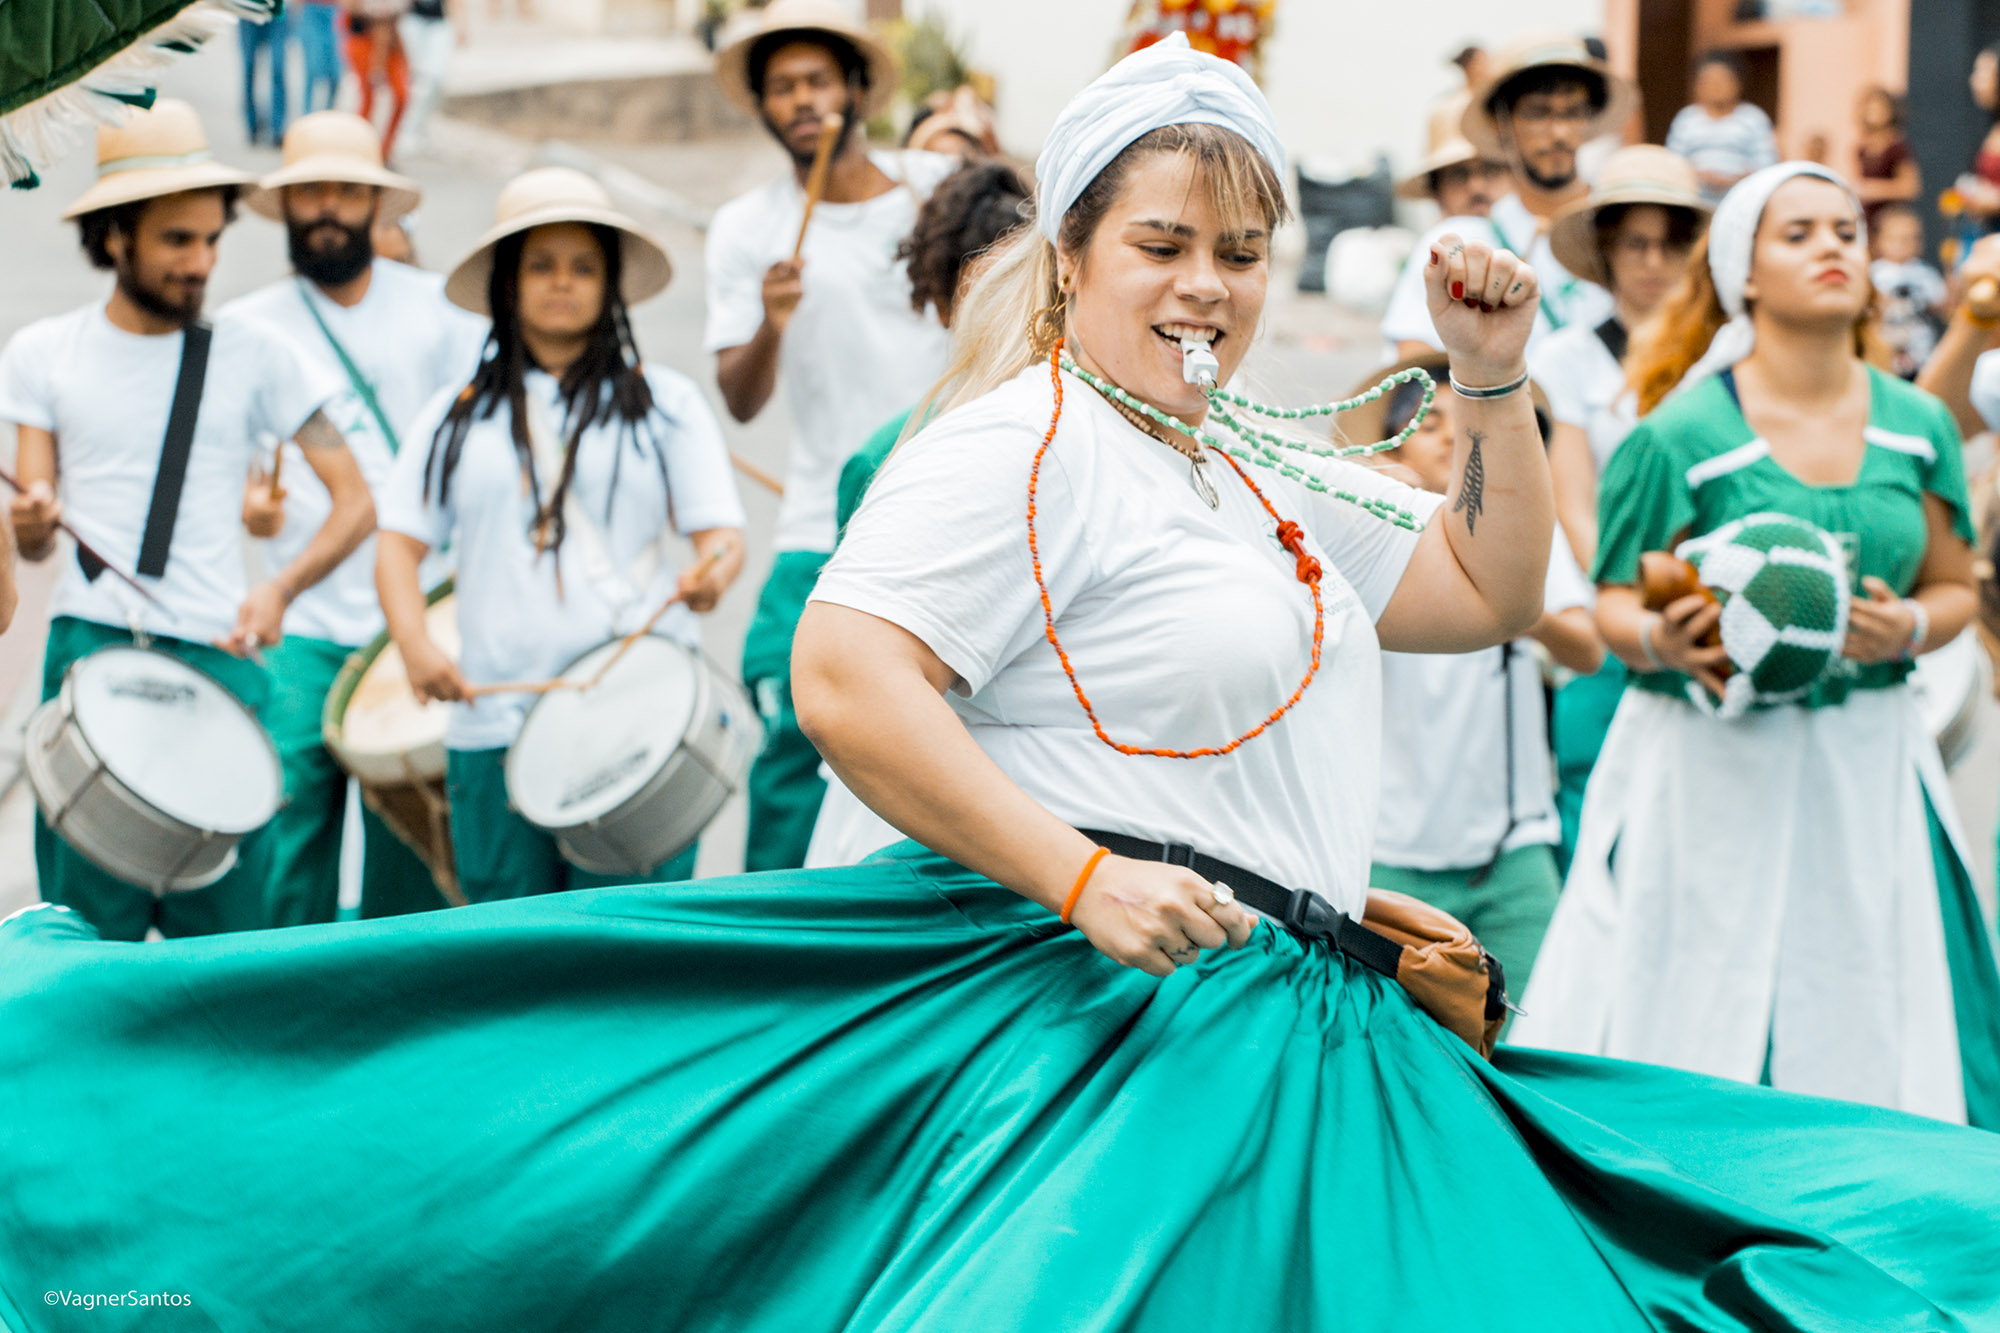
{"type": "Point", "coordinates": [1311, 351]}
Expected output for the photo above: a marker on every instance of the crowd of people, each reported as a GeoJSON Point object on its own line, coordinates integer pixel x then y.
{"type": "Point", "coordinates": [399, 47]}
{"type": "Point", "coordinates": [1112, 725]}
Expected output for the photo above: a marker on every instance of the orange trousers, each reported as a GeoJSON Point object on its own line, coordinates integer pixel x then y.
{"type": "Point", "coordinates": [364, 48]}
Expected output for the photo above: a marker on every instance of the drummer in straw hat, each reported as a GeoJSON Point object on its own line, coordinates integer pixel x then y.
{"type": "Point", "coordinates": [835, 320]}
{"type": "Point", "coordinates": [1543, 98]}
{"type": "Point", "coordinates": [559, 476]}
{"type": "Point", "coordinates": [387, 335]}
{"type": "Point", "coordinates": [1633, 236]}
{"type": "Point", "coordinates": [90, 393]}
{"type": "Point", "coordinates": [1454, 175]}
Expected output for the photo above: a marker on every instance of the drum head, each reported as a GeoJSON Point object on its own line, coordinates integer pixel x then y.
{"type": "Point", "coordinates": [382, 716]}
{"type": "Point", "coordinates": [583, 753]}
{"type": "Point", "coordinates": [179, 740]}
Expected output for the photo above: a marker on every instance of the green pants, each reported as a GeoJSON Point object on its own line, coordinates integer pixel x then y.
{"type": "Point", "coordinates": [501, 855]}
{"type": "Point", "coordinates": [304, 885]}
{"type": "Point", "coordinates": [785, 785]}
{"type": "Point", "coordinates": [123, 911]}
{"type": "Point", "coordinates": [1509, 911]}
{"type": "Point", "coordinates": [1582, 716]}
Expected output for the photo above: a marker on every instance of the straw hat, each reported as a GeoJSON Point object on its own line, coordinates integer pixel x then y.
{"type": "Point", "coordinates": [559, 194]}
{"type": "Point", "coordinates": [1365, 424]}
{"type": "Point", "coordinates": [808, 19]}
{"type": "Point", "coordinates": [1642, 174]}
{"type": "Point", "coordinates": [334, 146]}
{"type": "Point", "coordinates": [1542, 51]}
{"type": "Point", "coordinates": [1448, 147]}
{"type": "Point", "coordinates": [158, 152]}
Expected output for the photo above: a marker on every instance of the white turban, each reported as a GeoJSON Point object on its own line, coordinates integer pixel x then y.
{"type": "Point", "coordinates": [1168, 83]}
{"type": "Point", "coordinates": [1732, 238]}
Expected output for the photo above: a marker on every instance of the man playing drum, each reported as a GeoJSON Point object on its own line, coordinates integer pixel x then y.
{"type": "Point", "coordinates": [558, 475]}
{"type": "Point", "coordinates": [829, 305]}
{"type": "Point", "coordinates": [386, 333]}
{"type": "Point", "coordinates": [148, 419]}
{"type": "Point", "coordinates": [1546, 96]}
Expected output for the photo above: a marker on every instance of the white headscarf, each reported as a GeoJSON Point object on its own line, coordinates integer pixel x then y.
{"type": "Point", "coordinates": [1168, 83]}
{"type": "Point", "coordinates": [1732, 238]}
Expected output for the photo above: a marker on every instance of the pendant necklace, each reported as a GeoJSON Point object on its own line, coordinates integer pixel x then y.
{"type": "Point", "coordinates": [1198, 477]}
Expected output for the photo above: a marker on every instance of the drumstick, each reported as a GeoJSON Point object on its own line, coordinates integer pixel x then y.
{"type": "Point", "coordinates": [624, 645]}
{"type": "Point", "coordinates": [1982, 298]}
{"type": "Point", "coordinates": [757, 474]}
{"type": "Point", "coordinates": [85, 546]}
{"type": "Point", "coordinates": [829, 130]}
{"type": "Point", "coordinates": [277, 466]}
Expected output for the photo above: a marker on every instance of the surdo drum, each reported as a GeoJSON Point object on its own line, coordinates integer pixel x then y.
{"type": "Point", "coordinates": [626, 772]}
{"type": "Point", "coordinates": [151, 769]}
{"type": "Point", "coordinates": [393, 745]}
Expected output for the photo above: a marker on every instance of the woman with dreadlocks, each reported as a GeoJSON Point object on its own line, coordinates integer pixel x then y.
{"type": "Point", "coordinates": [557, 475]}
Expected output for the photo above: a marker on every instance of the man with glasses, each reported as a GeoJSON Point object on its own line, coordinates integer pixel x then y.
{"type": "Point", "coordinates": [1461, 180]}
{"type": "Point", "coordinates": [1544, 98]}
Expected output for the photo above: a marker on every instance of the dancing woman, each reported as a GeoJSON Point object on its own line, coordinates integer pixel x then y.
{"type": "Point", "coordinates": [1781, 897]}
{"type": "Point", "coordinates": [558, 476]}
{"type": "Point", "coordinates": [905, 1095]}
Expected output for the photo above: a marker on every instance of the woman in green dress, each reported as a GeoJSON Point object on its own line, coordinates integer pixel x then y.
{"type": "Point", "coordinates": [1782, 896]}
{"type": "Point", "coordinates": [907, 1095]}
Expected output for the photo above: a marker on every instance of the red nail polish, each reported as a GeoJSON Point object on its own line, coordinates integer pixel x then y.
{"type": "Point", "coordinates": [1471, 304]}
{"type": "Point", "coordinates": [1436, 259]}
{"type": "Point", "coordinates": [1458, 291]}
{"type": "Point", "coordinates": [1485, 308]}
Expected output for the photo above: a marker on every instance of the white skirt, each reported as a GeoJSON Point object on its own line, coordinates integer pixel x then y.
{"type": "Point", "coordinates": [1758, 899]}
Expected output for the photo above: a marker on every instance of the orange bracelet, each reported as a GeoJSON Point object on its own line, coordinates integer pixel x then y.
{"type": "Point", "coordinates": [1069, 903]}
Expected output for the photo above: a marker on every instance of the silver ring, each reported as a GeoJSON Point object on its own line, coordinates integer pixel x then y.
{"type": "Point", "coordinates": [1222, 896]}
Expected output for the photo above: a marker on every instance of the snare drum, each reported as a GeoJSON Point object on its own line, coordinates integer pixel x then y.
{"type": "Point", "coordinates": [393, 746]}
{"type": "Point", "coordinates": [151, 769]}
{"type": "Point", "coordinates": [1949, 684]}
{"type": "Point", "coordinates": [626, 774]}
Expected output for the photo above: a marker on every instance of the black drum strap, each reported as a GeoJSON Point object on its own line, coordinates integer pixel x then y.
{"type": "Point", "coordinates": [174, 450]}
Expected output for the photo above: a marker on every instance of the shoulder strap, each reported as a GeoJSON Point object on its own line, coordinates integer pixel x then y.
{"type": "Point", "coordinates": [362, 387]}
{"type": "Point", "coordinates": [174, 450]}
{"type": "Point", "coordinates": [1612, 334]}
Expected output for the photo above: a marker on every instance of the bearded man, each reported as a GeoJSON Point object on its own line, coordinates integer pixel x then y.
{"type": "Point", "coordinates": [1540, 101]}
{"type": "Point", "coordinates": [385, 333]}
{"type": "Point", "coordinates": [833, 320]}
{"type": "Point", "coordinates": [136, 422]}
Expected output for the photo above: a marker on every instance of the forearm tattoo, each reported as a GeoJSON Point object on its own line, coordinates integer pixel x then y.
{"type": "Point", "coordinates": [319, 433]}
{"type": "Point", "coordinates": [1472, 493]}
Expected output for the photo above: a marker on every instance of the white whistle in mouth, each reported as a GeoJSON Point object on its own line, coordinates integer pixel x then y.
{"type": "Point", "coordinates": [1198, 364]}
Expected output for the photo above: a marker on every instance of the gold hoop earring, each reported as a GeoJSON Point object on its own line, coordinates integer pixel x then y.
{"type": "Point", "coordinates": [1045, 330]}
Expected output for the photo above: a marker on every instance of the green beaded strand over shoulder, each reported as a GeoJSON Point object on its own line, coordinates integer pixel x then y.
{"type": "Point", "coordinates": [1267, 449]}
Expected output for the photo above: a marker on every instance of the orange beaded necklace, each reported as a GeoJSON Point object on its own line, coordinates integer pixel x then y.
{"type": "Point", "coordinates": [1290, 536]}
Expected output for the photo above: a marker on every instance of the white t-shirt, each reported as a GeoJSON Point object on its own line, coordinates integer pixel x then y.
{"type": "Point", "coordinates": [854, 354]}
{"type": "Point", "coordinates": [1446, 747]}
{"type": "Point", "coordinates": [513, 623]}
{"type": "Point", "coordinates": [105, 395]}
{"type": "Point", "coordinates": [1585, 387]}
{"type": "Point", "coordinates": [1985, 390]}
{"type": "Point", "coordinates": [1566, 300]}
{"type": "Point", "coordinates": [1187, 626]}
{"type": "Point", "coordinates": [1732, 145]}
{"type": "Point", "coordinates": [409, 342]}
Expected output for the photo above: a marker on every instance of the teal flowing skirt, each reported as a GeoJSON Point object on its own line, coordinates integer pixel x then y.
{"type": "Point", "coordinates": [897, 1097]}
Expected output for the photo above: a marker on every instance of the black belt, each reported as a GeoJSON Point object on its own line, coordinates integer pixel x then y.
{"type": "Point", "coordinates": [1303, 913]}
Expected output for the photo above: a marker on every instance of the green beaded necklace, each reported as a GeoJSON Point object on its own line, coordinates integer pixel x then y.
{"type": "Point", "coordinates": [1268, 450]}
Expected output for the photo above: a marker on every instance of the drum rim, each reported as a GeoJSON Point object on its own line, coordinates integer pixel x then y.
{"type": "Point", "coordinates": [34, 763]}
{"type": "Point", "coordinates": [708, 665]}
{"type": "Point", "coordinates": [339, 695]}
{"type": "Point", "coordinates": [269, 750]}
